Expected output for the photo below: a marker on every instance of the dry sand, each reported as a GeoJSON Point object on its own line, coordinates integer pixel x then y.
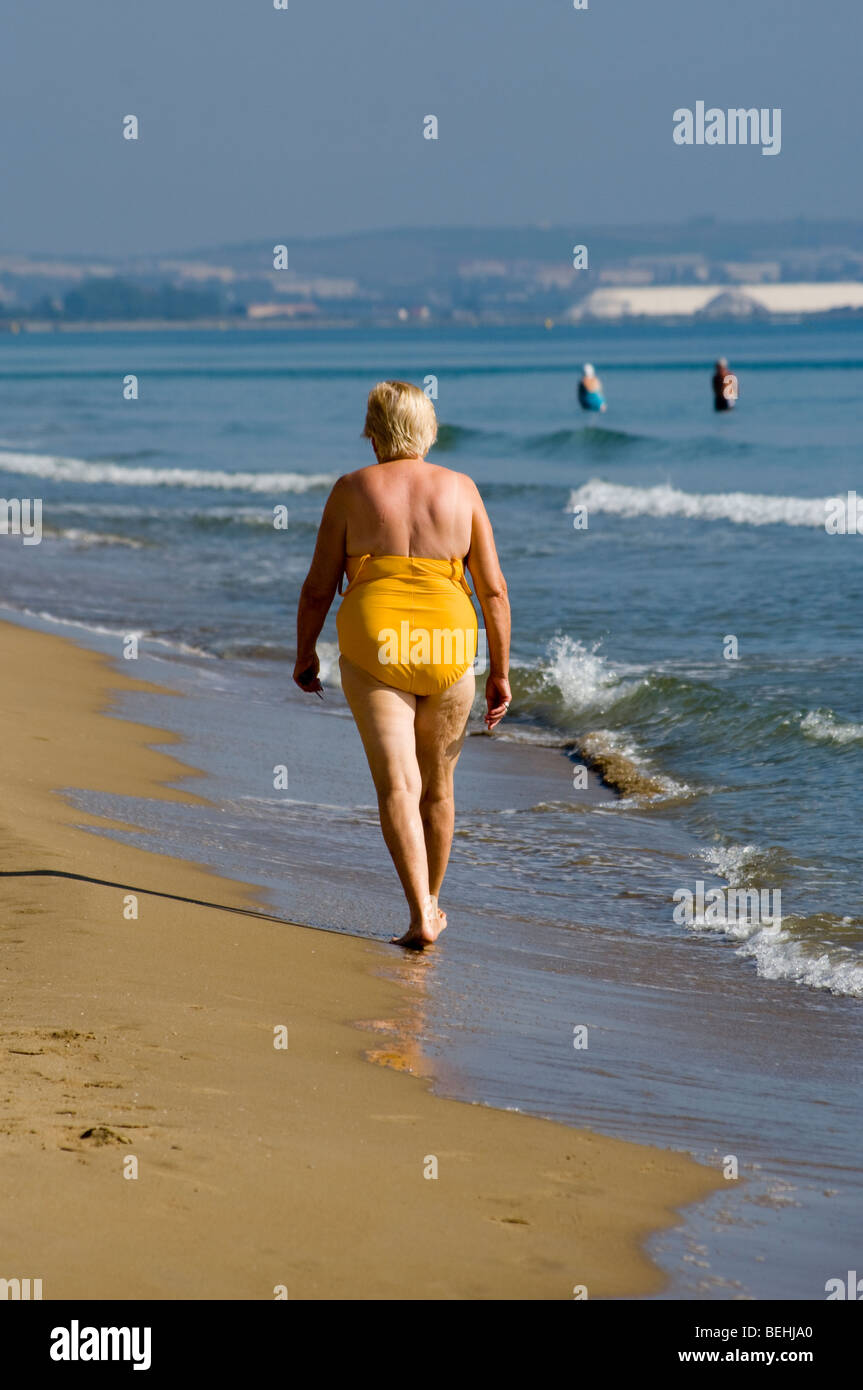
{"type": "Point", "coordinates": [153, 1039]}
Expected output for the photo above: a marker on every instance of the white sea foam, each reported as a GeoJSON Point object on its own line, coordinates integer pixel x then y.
{"type": "Point", "coordinates": [86, 539]}
{"type": "Point", "coordinates": [730, 862]}
{"type": "Point", "coordinates": [249, 515]}
{"type": "Point", "coordinates": [777, 953]}
{"type": "Point", "coordinates": [778, 956]}
{"type": "Point", "coordinates": [823, 725]}
{"type": "Point", "coordinates": [743, 508]}
{"type": "Point", "coordinates": [584, 679]}
{"type": "Point", "coordinates": [590, 685]}
{"type": "Point", "coordinates": [616, 742]}
{"type": "Point", "coordinates": [535, 738]}
{"type": "Point", "coordinates": [97, 630]}
{"type": "Point", "coordinates": [69, 470]}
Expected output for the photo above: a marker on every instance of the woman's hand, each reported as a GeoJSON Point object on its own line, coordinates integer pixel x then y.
{"type": "Point", "coordinates": [497, 697]}
{"type": "Point", "coordinates": [306, 675]}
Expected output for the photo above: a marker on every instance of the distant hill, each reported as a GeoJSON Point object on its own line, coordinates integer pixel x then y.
{"type": "Point", "coordinates": [424, 255]}
{"type": "Point", "coordinates": [442, 274]}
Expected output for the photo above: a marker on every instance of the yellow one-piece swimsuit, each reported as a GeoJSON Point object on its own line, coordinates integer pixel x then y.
{"type": "Point", "coordinates": [408, 621]}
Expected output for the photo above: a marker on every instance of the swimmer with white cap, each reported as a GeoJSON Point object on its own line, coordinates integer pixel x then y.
{"type": "Point", "coordinates": [590, 396]}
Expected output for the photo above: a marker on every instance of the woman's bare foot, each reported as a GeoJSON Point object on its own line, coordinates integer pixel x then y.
{"type": "Point", "coordinates": [426, 930]}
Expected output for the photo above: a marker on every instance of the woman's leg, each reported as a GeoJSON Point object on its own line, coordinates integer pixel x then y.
{"type": "Point", "coordinates": [439, 726]}
{"type": "Point", "coordinates": [385, 719]}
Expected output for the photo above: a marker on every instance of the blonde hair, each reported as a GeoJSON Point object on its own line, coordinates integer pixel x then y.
{"type": "Point", "coordinates": [400, 419]}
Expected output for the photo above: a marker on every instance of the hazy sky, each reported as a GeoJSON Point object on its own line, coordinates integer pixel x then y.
{"type": "Point", "coordinates": [257, 123]}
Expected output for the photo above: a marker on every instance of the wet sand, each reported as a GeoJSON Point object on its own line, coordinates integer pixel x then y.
{"type": "Point", "coordinates": [150, 1037]}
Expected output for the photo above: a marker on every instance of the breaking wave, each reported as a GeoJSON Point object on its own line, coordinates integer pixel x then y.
{"type": "Point", "coordinates": [71, 470]}
{"type": "Point", "coordinates": [741, 508]}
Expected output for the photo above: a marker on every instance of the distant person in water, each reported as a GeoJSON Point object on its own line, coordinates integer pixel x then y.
{"type": "Point", "coordinates": [590, 395]}
{"type": "Point", "coordinates": [724, 386]}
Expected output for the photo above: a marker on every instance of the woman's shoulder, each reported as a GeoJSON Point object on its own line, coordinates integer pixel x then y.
{"type": "Point", "coordinates": [465, 484]}
{"type": "Point", "coordinates": [349, 482]}
{"type": "Point", "coordinates": [459, 479]}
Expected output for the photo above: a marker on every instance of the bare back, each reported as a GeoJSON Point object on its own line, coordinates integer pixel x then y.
{"type": "Point", "coordinates": [408, 507]}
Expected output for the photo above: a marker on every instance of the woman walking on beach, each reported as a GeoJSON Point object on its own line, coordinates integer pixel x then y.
{"type": "Point", "coordinates": [403, 531]}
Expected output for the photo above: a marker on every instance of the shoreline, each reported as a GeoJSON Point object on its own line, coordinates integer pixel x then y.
{"type": "Point", "coordinates": [257, 1167]}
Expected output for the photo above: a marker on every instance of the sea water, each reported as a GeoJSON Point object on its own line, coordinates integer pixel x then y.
{"type": "Point", "coordinates": [717, 1035]}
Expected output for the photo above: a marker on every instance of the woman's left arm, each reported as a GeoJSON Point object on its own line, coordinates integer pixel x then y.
{"type": "Point", "coordinates": [319, 588]}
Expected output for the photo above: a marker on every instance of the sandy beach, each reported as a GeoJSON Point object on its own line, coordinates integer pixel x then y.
{"type": "Point", "coordinates": [151, 1037]}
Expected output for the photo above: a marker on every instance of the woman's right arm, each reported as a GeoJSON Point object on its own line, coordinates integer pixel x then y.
{"type": "Point", "coordinates": [490, 587]}
{"type": "Point", "coordinates": [319, 588]}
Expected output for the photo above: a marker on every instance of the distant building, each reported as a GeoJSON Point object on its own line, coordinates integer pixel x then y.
{"type": "Point", "coordinates": [626, 275]}
{"type": "Point", "coordinates": [298, 309]}
{"type": "Point", "coordinates": [673, 268]}
{"type": "Point", "coordinates": [687, 301]}
{"type": "Point", "coordinates": [751, 272]}
{"type": "Point", "coordinates": [199, 270]}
